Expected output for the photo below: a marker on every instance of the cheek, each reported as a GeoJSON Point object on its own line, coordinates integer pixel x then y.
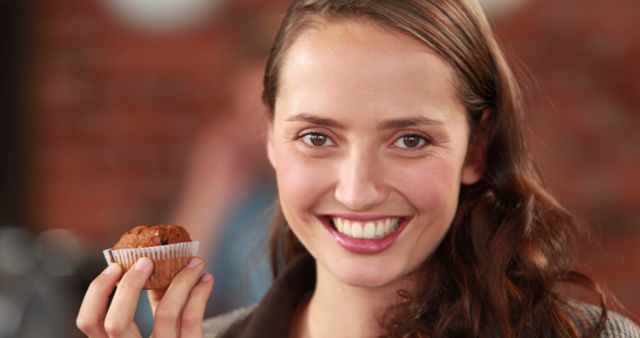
{"type": "Point", "coordinates": [431, 186]}
{"type": "Point", "coordinates": [301, 181]}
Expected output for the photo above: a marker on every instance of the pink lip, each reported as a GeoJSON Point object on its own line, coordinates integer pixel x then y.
{"type": "Point", "coordinates": [364, 246]}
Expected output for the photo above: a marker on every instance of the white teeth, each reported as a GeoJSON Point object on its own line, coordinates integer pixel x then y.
{"type": "Point", "coordinates": [339, 224]}
{"type": "Point", "coordinates": [368, 230]}
{"type": "Point", "coordinates": [356, 230]}
{"type": "Point", "coordinates": [380, 230]}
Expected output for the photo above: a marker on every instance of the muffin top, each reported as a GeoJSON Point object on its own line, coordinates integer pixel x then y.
{"type": "Point", "coordinates": [152, 235]}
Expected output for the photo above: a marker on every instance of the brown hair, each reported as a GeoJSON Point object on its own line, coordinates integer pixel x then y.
{"type": "Point", "coordinates": [498, 270]}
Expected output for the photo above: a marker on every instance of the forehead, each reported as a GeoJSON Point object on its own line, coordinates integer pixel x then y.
{"type": "Point", "coordinates": [364, 66]}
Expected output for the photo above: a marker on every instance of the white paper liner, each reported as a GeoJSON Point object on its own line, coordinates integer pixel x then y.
{"type": "Point", "coordinates": [168, 260]}
{"type": "Point", "coordinates": [155, 253]}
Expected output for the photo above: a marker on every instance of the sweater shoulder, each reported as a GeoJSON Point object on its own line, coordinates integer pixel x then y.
{"type": "Point", "coordinates": [218, 325]}
{"type": "Point", "coordinates": [587, 316]}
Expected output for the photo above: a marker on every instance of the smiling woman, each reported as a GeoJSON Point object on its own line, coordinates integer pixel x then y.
{"type": "Point", "coordinates": [408, 203]}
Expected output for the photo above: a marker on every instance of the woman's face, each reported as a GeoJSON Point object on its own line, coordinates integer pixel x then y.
{"type": "Point", "coordinates": [369, 143]}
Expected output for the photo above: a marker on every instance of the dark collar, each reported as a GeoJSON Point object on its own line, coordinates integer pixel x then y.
{"type": "Point", "coordinates": [273, 316]}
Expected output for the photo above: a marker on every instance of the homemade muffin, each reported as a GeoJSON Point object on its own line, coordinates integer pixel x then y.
{"type": "Point", "coordinates": [152, 235]}
{"type": "Point", "coordinates": [169, 246]}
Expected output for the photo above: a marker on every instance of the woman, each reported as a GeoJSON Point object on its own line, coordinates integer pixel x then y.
{"type": "Point", "coordinates": [408, 203]}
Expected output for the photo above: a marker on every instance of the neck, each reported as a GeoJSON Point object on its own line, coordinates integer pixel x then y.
{"type": "Point", "coordinates": [350, 310]}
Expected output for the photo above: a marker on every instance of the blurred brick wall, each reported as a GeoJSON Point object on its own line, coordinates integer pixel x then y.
{"type": "Point", "coordinates": [112, 113]}
{"type": "Point", "coordinates": [587, 134]}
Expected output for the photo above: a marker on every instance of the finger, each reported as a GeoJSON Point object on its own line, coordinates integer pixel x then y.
{"type": "Point", "coordinates": [193, 313]}
{"type": "Point", "coordinates": [119, 319]}
{"type": "Point", "coordinates": [167, 315]}
{"type": "Point", "coordinates": [155, 296]}
{"type": "Point", "coordinates": [90, 318]}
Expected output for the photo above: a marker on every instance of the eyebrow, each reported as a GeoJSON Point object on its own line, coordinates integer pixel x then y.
{"type": "Point", "coordinates": [406, 122]}
{"type": "Point", "coordinates": [399, 123]}
{"type": "Point", "coordinates": [313, 119]}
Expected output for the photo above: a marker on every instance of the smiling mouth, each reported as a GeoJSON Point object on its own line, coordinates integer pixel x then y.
{"type": "Point", "coordinates": [365, 229]}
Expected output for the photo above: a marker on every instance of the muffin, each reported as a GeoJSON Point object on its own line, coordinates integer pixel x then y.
{"type": "Point", "coordinates": [169, 246]}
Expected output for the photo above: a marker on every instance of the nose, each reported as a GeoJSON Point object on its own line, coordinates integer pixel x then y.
{"type": "Point", "coordinates": [360, 182]}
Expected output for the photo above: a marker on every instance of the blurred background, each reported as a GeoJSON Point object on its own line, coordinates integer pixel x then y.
{"type": "Point", "coordinates": [117, 113]}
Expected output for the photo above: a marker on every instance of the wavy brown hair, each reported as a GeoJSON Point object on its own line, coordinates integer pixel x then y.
{"type": "Point", "coordinates": [498, 271]}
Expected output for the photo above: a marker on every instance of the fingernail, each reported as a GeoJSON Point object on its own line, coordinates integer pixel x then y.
{"type": "Point", "coordinates": [142, 264]}
{"type": "Point", "coordinates": [206, 277]}
{"type": "Point", "coordinates": [110, 270]}
{"type": "Point", "coordinates": [194, 262]}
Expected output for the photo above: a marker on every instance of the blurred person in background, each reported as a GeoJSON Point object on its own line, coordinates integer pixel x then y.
{"type": "Point", "coordinates": [227, 195]}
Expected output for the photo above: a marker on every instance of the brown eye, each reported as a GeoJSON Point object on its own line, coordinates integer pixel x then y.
{"type": "Point", "coordinates": [410, 142]}
{"type": "Point", "coordinates": [317, 140]}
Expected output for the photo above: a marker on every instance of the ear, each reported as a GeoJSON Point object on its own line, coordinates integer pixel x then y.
{"type": "Point", "coordinates": [270, 150]}
{"type": "Point", "coordinates": [475, 162]}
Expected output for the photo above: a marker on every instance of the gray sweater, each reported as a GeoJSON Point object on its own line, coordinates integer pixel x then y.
{"type": "Point", "coordinates": [272, 317]}
{"type": "Point", "coordinates": [586, 317]}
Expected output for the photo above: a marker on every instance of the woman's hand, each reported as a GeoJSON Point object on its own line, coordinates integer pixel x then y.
{"type": "Point", "coordinates": [178, 310]}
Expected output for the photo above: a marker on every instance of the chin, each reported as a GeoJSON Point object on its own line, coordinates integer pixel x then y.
{"type": "Point", "coordinates": [365, 277]}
